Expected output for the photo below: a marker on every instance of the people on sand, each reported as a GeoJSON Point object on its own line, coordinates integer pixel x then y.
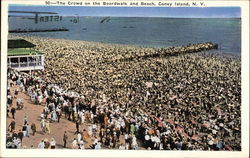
{"type": "Point", "coordinates": [132, 95]}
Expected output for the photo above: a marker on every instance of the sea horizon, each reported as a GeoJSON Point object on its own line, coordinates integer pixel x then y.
{"type": "Point", "coordinates": [142, 31]}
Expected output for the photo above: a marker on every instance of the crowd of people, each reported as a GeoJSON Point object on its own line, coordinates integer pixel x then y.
{"type": "Point", "coordinates": [182, 102]}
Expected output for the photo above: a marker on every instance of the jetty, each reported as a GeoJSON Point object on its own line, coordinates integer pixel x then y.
{"type": "Point", "coordinates": [42, 30]}
{"type": "Point", "coordinates": [173, 51]}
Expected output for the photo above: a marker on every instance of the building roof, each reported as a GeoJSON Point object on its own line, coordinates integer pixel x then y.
{"type": "Point", "coordinates": [19, 43]}
{"type": "Point", "coordinates": [23, 51]}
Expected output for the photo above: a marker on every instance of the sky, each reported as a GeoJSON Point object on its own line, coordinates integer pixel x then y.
{"type": "Point", "coordinates": [178, 12]}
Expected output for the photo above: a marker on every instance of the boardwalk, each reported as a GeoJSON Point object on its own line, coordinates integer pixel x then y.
{"type": "Point", "coordinates": [33, 112]}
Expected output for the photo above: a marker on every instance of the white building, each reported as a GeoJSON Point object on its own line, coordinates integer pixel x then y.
{"type": "Point", "coordinates": [23, 57]}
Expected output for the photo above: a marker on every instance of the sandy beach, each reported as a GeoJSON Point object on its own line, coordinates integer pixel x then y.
{"type": "Point", "coordinates": [199, 92]}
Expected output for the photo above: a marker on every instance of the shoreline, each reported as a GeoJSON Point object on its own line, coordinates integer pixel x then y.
{"type": "Point", "coordinates": [216, 52]}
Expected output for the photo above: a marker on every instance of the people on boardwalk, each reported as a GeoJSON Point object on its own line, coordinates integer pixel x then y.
{"type": "Point", "coordinates": [20, 135]}
{"type": "Point", "coordinates": [12, 125]}
{"type": "Point", "coordinates": [27, 133]}
{"type": "Point", "coordinates": [19, 104]}
{"type": "Point", "coordinates": [33, 128]}
{"type": "Point", "coordinates": [13, 111]}
{"type": "Point", "coordinates": [52, 143]}
{"type": "Point", "coordinates": [41, 145]}
{"type": "Point", "coordinates": [47, 127]}
{"type": "Point", "coordinates": [43, 125]}
{"type": "Point", "coordinates": [65, 139]}
{"type": "Point", "coordinates": [74, 144]}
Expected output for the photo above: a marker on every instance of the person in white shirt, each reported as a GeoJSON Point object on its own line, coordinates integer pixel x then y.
{"type": "Point", "coordinates": [42, 116]}
{"type": "Point", "coordinates": [134, 143]}
{"type": "Point", "coordinates": [79, 137]}
{"type": "Point", "coordinates": [40, 99]}
{"type": "Point", "coordinates": [81, 143]}
{"type": "Point", "coordinates": [122, 147]}
{"type": "Point", "coordinates": [53, 143]}
{"type": "Point", "coordinates": [82, 116]}
{"type": "Point", "coordinates": [74, 144]}
{"type": "Point", "coordinates": [91, 117]}
{"type": "Point", "coordinates": [45, 93]}
{"type": "Point", "coordinates": [18, 143]}
{"type": "Point", "coordinates": [90, 132]}
{"type": "Point", "coordinates": [41, 145]}
{"type": "Point", "coordinates": [94, 129]}
{"type": "Point", "coordinates": [98, 146]}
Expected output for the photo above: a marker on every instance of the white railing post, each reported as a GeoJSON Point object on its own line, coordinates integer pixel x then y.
{"type": "Point", "coordinates": [18, 62]}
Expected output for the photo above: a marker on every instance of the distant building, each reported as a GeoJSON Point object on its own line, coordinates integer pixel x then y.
{"type": "Point", "coordinates": [23, 57]}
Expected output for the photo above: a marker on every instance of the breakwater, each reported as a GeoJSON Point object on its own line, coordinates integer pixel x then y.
{"type": "Point", "coordinates": [171, 51]}
{"type": "Point", "coordinates": [45, 30]}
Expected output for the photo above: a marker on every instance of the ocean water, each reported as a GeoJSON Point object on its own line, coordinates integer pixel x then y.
{"type": "Point", "coordinates": [147, 32]}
